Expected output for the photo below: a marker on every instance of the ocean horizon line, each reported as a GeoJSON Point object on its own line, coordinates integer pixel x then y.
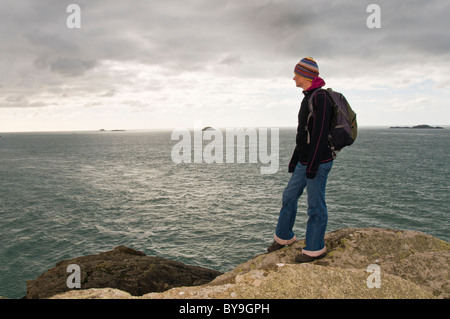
{"type": "Point", "coordinates": [142, 130]}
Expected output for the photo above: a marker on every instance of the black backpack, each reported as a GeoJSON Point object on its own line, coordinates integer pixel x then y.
{"type": "Point", "coordinates": [344, 128]}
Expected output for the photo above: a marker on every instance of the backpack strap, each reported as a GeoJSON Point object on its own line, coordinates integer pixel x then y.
{"type": "Point", "coordinates": [310, 114]}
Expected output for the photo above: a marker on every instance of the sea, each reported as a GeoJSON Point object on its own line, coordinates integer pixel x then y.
{"type": "Point", "coordinates": [70, 194]}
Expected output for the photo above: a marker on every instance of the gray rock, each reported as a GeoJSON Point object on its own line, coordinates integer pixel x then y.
{"type": "Point", "coordinates": [122, 268]}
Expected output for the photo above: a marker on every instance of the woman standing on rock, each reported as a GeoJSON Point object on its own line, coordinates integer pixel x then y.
{"type": "Point", "coordinates": [310, 164]}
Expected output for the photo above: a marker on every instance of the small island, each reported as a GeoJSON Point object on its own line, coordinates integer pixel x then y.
{"type": "Point", "coordinates": [103, 130]}
{"type": "Point", "coordinates": [423, 126]}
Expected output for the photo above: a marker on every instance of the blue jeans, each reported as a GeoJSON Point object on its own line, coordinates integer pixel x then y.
{"type": "Point", "coordinates": [317, 208]}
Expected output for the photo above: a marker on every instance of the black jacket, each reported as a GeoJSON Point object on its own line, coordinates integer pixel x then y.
{"type": "Point", "coordinates": [318, 150]}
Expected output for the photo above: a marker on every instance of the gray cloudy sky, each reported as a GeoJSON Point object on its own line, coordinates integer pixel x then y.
{"type": "Point", "coordinates": [164, 64]}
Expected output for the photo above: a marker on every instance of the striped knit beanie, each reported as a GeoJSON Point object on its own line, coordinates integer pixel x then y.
{"type": "Point", "coordinates": [307, 68]}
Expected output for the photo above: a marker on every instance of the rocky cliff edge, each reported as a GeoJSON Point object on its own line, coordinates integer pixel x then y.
{"type": "Point", "coordinates": [361, 263]}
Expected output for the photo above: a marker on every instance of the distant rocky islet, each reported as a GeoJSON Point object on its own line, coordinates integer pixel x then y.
{"type": "Point", "coordinates": [422, 126]}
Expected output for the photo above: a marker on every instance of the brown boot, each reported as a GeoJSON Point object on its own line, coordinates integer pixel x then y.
{"type": "Point", "coordinates": [274, 246]}
{"type": "Point", "coordinates": [302, 258]}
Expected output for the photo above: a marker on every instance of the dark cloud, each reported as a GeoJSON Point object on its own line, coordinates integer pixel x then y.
{"type": "Point", "coordinates": [71, 67]}
{"type": "Point", "coordinates": [248, 38]}
{"type": "Point", "coordinates": [198, 32]}
{"type": "Point", "coordinates": [231, 59]}
{"type": "Point", "coordinates": [68, 67]}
